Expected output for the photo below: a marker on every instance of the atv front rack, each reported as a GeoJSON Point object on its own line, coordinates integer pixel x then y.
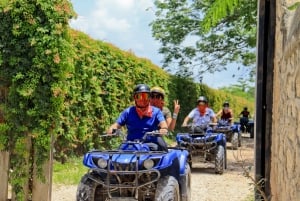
{"type": "Point", "coordinates": [130, 171]}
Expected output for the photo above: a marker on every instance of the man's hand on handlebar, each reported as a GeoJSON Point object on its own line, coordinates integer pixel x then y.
{"type": "Point", "coordinates": [112, 129]}
{"type": "Point", "coordinates": [163, 131]}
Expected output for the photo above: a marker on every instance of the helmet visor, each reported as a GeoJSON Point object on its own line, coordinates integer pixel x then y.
{"type": "Point", "coordinates": [142, 96]}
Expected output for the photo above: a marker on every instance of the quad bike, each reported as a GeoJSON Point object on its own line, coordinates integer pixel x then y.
{"type": "Point", "coordinates": [204, 145]}
{"type": "Point", "coordinates": [136, 171]}
{"type": "Point", "coordinates": [247, 126]}
{"type": "Point", "coordinates": [232, 132]}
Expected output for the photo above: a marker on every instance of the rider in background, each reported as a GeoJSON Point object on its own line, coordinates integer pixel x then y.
{"type": "Point", "coordinates": [201, 115]}
{"type": "Point", "coordinates": [226, 113]}
{"type": "Point", "coordinates": [142, 118]}
{"type": "Point", "coordinates": [157, 99]}
{"type": "Point", "coordinates": [245, 114]}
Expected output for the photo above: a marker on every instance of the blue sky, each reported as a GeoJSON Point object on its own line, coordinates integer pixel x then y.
{"type": "Point", "coordinates": [125, 23]}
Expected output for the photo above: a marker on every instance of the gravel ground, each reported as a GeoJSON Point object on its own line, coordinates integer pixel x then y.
{"type": "Point", "coordinates": [206, 185]}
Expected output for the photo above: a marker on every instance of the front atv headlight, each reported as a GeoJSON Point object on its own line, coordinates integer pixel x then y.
{"type": "Point", "coordinates": [148, 164]}
{"type": "Point", "coordinates": [102, 163]}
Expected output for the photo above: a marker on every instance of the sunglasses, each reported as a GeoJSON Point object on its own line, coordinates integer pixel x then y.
{"type": "Point", "coordinates": [157, 96]}
{"type": "Point", "coordinates": [142, 96]}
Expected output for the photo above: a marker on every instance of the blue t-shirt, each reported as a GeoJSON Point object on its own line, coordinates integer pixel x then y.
{"type": "Point", "coordinates": [136, 126]}
{"type": "Point", "coordinates": [199, 120]}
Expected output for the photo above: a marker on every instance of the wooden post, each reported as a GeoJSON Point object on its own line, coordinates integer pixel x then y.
{"type": "Point", "coordinates": [42, 190]}
{"type": "Point", "coordinates": [264, 91]}
{"type": "Point", "coordinates": [4, 168]}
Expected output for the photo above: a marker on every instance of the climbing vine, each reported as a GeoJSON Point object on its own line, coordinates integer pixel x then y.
{"type": "Point", "coordinates": [34, 63]}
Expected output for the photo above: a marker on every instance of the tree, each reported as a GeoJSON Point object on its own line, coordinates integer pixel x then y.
{"type": "Point", "coordinates": [243, 89]}
{"type": "Point", "coordinates": [206, 35]}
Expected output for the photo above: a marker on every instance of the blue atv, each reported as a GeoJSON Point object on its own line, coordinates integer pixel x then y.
{"type": "Point", "coordinates": [136, 171]}
{"type": "Point", "coordinates": [204, 145]}
{"type": "Point", "coordinates": [247, 126]}
{"type": "Point", "coordinates": [232, 132]}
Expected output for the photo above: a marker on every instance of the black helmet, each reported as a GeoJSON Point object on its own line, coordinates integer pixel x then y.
{"type": "Point", "coordinates": [245, 108]}
{"type": "Point", "coordinates": [202, 99]}
{"type": "Point", "coordinates": [141, 88]}
{"type": "Point", "coordinates": [226, 104]}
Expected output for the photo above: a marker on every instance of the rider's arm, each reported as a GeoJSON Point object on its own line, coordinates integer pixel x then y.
{"type": "Point", "coordinates": [185, 121]}
{"type": "Point", "coordinates": [112, 127]}
{"type": "Point", "coordinates": [214, 119]}
{"type": "Point", "coordinates": [232, 117]}
{"type": "Point", "coordinates": [121, 121]}
{"type": "Point", "coordinates": [213, 116]}
{"type": "Point", "coordinates": [219, 113]}
{"type": "Point", "coordinates": [163, 127]}
{"type": "Point", "coordinates": [187, 118]}
{"type": "Point", "coordinates": [168, 116]}
{"type": "Point", "coordinates": [171, 121]}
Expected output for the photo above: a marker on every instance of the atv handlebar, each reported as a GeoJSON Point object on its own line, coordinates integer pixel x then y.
{"type": "Point", "coordinates": [152, 133]}
{"type": "Point", "coordinates": [115, 133]}
{"type": "Point", "coordinates": [118, 133]}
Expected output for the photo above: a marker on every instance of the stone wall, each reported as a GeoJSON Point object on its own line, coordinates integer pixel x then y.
{"type": "Point", "coordinates": [285, 150]}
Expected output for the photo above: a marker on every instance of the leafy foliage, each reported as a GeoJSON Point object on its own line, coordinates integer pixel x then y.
{"type": "Point", "coordinates": [205, 35]}
{"type": "Point", "coordinates": [242, 89]}
{"type": "Point", "coordinates": [101, 87]}
{"type": "Point", "coordinates": [34, 64]}
{"type": "Point", "coordinates": [60, 83]}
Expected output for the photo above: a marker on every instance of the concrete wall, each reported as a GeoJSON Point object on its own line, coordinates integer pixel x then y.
{"type": "Point", "coordinates": [285, 150]}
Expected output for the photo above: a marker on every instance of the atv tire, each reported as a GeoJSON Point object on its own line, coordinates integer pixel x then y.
{"type": "Point", "coordinates": [89, 190]}
{"type": "Point", "coordinates": [167, 189]}
{"type": "Point", "coordinates": [187, 194]}
{"type": "Point", "coordinates": [251, 132]}
{"type": "Point", "coordinates": [220, 160]}
{"type": "Point", "coordinates": [235, 141]}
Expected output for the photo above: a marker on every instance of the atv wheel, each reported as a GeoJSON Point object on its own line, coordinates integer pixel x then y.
{"type": "Point", "coordinates": [240, 139]}
{"type": "Point", "coordinates": [220, 160]}
{"type": "Point", "coordinates": [235, 141]}
{"type": "Point", "coordinates": [252, 132]}
{"type": "Point", "coordinates": [89, 190]}
{"type": "Point", "coordinates": [167, 189]}
{"type": "Point", "coordinates": [187, 194]}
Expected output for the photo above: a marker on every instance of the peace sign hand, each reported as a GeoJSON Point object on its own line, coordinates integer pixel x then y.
{"type": "Point", "coordinates": [176, 107]}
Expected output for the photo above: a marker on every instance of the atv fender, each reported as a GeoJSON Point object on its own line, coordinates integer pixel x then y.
{"type": "Point", "coordinates": [183, 159]}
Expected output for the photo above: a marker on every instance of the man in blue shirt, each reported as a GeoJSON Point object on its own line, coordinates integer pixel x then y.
{"type": "Point", "coordinates": [142, 117]}
{"type": "Point", "coordinates": [202, 115]}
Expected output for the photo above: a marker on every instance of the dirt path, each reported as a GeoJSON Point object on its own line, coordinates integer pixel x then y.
{"type": "Point", "coordinates": [206, 185]}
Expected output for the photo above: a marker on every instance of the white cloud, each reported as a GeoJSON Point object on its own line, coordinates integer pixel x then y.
{"type": "Point", "coordinates": [124, 23]}
{"type": "Point", "coordinates": [125, 4]}
{"type": "Point", "coordinates": [81, 23]}
{"type": "Point", "coordinates": [104, 20]}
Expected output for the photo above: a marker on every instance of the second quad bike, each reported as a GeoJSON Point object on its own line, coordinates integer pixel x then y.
{"type": "Point", "coordinates": [204, 145]}
{"type": "Point", "coordinates": [232, 132]}
{"type": "Point", "coordinates": [247, 126]}
{"type": "Point", "coordinates": [136, 171]}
